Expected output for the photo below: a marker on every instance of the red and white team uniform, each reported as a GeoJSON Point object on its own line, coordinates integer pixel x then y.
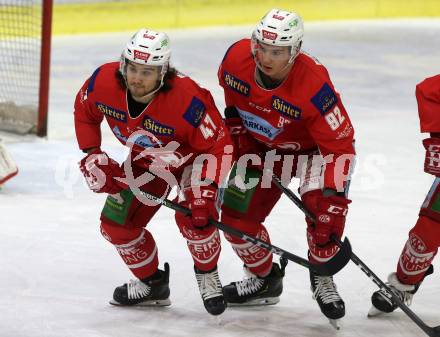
{"type": "Point", "coordinates": [302, 116]}
{"type": "Point", "coordinates": [424, 237]}
{"type": "Point", "coordinates": [415, 261]}
{"type": "Point", "coordinates": [185, 114]}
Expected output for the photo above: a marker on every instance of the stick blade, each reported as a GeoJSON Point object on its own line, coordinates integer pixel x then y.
{"type": "Point", "coordinates": [435, 331]}
{"type": "Point", "coordinates": [337, 263]}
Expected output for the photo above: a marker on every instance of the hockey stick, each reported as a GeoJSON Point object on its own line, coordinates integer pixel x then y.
{"type": "Point", "coordinates": [430, 331]}
{"type": "Point", "coordinates": [326, 269]}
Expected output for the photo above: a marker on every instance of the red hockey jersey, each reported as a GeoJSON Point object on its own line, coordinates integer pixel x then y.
{"type": "Point", "coordinates": [302, 114]}
{"type": "Point", "coordinates": [428, 100]}
{"type": "Point", "coordinates": [185, 114]}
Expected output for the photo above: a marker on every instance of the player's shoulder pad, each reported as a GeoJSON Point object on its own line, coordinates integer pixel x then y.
{"type": "Point", "coordinates": [92, 80]}
{"type": "Point", "coordinates": [237, 47]}
{"type": "Point", "coordinates": [429, 88]}
{"type": "Point", "coordinates": [188, 95]}
{"type": "Point", "coordinates": [107, 70]}
{"type": "Point", "coordinates": [185, 86]}
{"type": "Point", "coordinates": [323, 96]}
{"type": "Point", "coordinates": [315, 69]}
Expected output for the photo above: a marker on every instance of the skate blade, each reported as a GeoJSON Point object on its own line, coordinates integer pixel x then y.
{"type": "Point", "coordinates": [153, 303]}
{"type": "Point", "coordinates": [373, 312]}
{"type": "Point", "coordinates": [256, 302]}
{"type": "Point", "coordinates": [335, 323]}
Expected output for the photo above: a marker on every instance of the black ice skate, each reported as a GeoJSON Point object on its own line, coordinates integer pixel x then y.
{"type": "Point", "coordinates": [381, 300]}
{"type": "Point", "coordinates": [210, 289]}
{"type": "Point", "coordinates": [254, 290]}
{"type": "Point", "coordinates": [150, 291]}
{"type": "Point", "coordinates": [325, 293]}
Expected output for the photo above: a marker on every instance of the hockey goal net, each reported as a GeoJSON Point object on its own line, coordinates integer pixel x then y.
{"type": "Point", "coordinates": [25, 34]}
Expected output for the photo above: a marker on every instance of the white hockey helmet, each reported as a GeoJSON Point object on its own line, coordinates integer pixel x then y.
{"type": "Point", "coordinates": [279, 28]}
{"type": "Point", "coordinates": [149, 48]}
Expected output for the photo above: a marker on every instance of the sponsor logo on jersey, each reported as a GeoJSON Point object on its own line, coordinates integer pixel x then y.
{"type": "Point", "coordinates": [143, 141]}
{"type": "Point", "coordinates": [283, 121]}
{"type": "Point", "coordinates": [157, 128]}
{"type": "Point", "coordinates": [278, 17]}
{"type": "Point", "coordinates": [285, 108]}
{"type": "Point", "coordinates": [346, 132]}
{"type": "Point", "coordinates": [258, 125]}
{"type": "Point", "coordinates": [236, 84]}
{"type": "Point", "coordinates": [141, 55]}
{"type": "Point", "coordinates": [260, 108]}
{"type": "Point", "coordinates": [269, 35]}
{"type": "Point", "coordinates": [112, 112]}
{"type": "Point", "coordinates": [325, 99]}
{"type": "Point", "coordinates": [195, 112]}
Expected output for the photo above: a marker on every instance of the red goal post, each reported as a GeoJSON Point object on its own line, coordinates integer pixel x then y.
{"type": "Point", "coordinates": [25, 43]}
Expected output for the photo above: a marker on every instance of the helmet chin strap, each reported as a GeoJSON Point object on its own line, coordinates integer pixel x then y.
{"type": "Point", "coordinates": [293, 56]}
{"type": "Point", "coordinates": [148, 97]}
{"type": "Point", "coordinates": [289, 63]}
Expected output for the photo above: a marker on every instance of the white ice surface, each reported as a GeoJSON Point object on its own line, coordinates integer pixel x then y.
{"type": "Point", "coordinates": [57, 273]}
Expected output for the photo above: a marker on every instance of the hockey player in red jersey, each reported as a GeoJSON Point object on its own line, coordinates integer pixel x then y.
{"type": "Point", "coordinates": [174, 131]}
{"type": "Point", "coordinates": [283, 111]}
{"type": "Point", "coordinates": [415, 261]}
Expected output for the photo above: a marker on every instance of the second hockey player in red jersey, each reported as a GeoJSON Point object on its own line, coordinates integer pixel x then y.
{"type": "Point", "coordinates": [415, 261]}
{"type": "Point", "coordinates": [283, 111]}
{"type": "Point", "coordinates": [173, 130]}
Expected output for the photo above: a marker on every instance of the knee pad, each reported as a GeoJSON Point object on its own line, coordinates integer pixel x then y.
{"type": "Point", "coordinates": [118, 234]}
{"type": "Point", "coordinates": [249, 227]}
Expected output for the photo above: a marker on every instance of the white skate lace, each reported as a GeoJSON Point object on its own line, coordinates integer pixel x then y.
{"type": "Point", "coordinates": [326, 290]}
{"type": "Point", "coordinates": [249, 285]}
{"type": "Point", "coordinates": [405, 296]}
{"type": "Point", "coordinates": [404, 291]}
{"type": "Point", "coordinates": [137, 289]}
{"type": "Point", "coordinates": [209, 285]}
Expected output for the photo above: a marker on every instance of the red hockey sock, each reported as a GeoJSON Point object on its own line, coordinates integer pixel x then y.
{"type": "Point", "coordinates": [320, 254]}
{"type": "Point", "coordinates": [136, 246]}
{"type": "Point", "coordinates": [258, 260]}
{"type": "Point", "coordinates": [419, 251]}
{"type": "Point", "coordinates": [204, 246]}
